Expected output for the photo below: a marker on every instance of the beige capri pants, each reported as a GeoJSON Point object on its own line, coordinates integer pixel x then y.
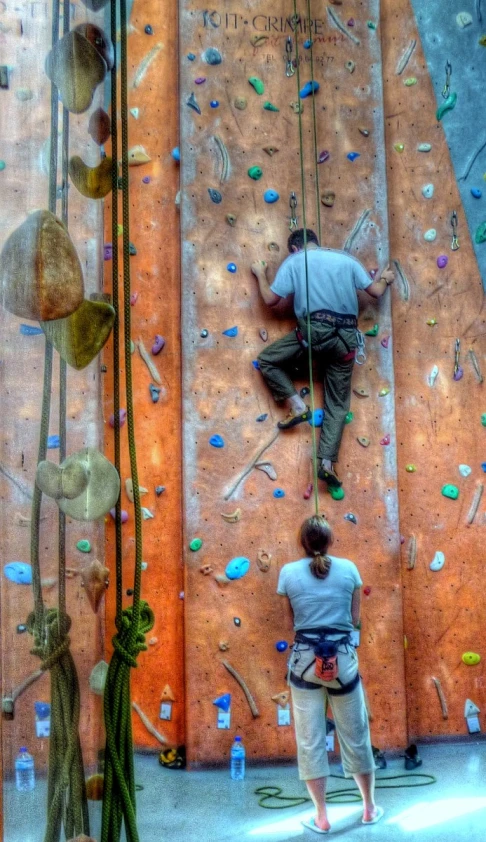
{"type": "Point", "coordinates": [349, 713]}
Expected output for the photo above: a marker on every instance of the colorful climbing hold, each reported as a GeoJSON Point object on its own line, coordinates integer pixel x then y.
{"type": "Point", "coordinates": [193, 103]}
{"type": "Point", "coordinates": [371, 24]}
{"type": "Point", "coordinates": [263, 333]}
{"type": "Point", "coordinates": [159, 343]}
{"type": "Point", "coordinates": [428, 191]}
{"type": "Point", "coordinates": [195, 544]}
{"type": "Point", "coordinates": [148, 30]}
{"type": "Point", "coordinates": [433, 375]}
{"type": "Point", "coordinates": [21, 628]}
{"type": "Point", "coordinates": [146, 179]}
{"type": "Point", "coordinates": [257, 84]}
{"type": "Point", "coordinates": [471, 658]}
{"type": "Point", "coordinates": [200, 80]}
{"type": "Point", "coordinates": [18, 572]}
{"type": "Point", "coordinates": [307, 44]}
{"type": "Point", "coordinates": [122, 418]}
{"type": "Point", "coordinates": [385, 440]}
{"type": "Point", "coordinates": [309, 89]}
{"type": "Point", "coordinates": [304, 391]}
{"type": "Point", "coordinates": [398, 147]}
{"type": "Point", "coordinates": [108, 251]}
{"type": "Point", "coordinates": [53, 442]}
{"type": "Point", "coordinates": [465, 470]}
{"type": "Point", "coordinates": [349, 516]}
{"type": "Point", "coordinates": [383, 392]}
{"type": "Point", "coordinates": [348, 417]}
{"type": "Point", "coordinates": [350, 66]}
{"type": "Point", "coordinates": [483, 419]}
{"type": "Point", "coordinates": [412, 80]}
{"type": "Point", "coordinates": [430, 235]}
{"type": "Point", "coordinates": [223, 702]}
{"type": "Point", "coordinates": [83, 546]}
{"type": "Point", "coordinates": [154, 392]}
{"type": "Point", "coordinates": [323, 156]}
{"type": "Point", "coordinates": [363, 441]}
{"type": "Point", "coordinates": [373, 331]}
{"type": "Point", "coordinates": [450, 491]}
{"type": "Point", "coordinates": [232, 267]}
{"type": "Point", "coordinates": [367, 590]}
{"type": "Point", "coordinates": [336, 493]}
{"type": "Point", "coordinates": [237, 567]}
{"type": "Point", "coordinates": [385, 341]}
{"type": "Point", "coordinates": [480, 236]}
{"type": "Point", "coordinates": [237, 621]}
{"type": "Point", "coordinates": [268, 106]}
{"type": "Point", "coordinates": [271, 196]}
{"type": "Point", "coordinates": [255, 173]}
{"type": "Point", "coordinates": [256, 364]}
{"type": "Point", "coordinates": [438, 561]}
{"type": "Point", "coordinates": [191, 56]}
{"type": "Point", "coordinates": [350, 22]}
{"type": "Point", "coordinates": [240, 103]}
{"type": "Point", "coordinates": [352, 156]}
{"type": "Point", "coordinates": [30, 330]}
{"type": "Point", "coordinates": [317, 418]}
{"type": "Point", "coordinates": [2, 165]}
{"type": "Point", "coordinates": [281, 646]}
{"type": "Point", "coordinates": [262, 417]}
{"type": "Point", "coordinates": [308, 491]}
{"type": "Point", "coordinates": [231, 331]}
{"type": "Point", "coordinates": [363, 131]}
{"type": "Point", "coordinates": [212, 56]}
{"type": "Point", "coordinates": [176, 153]}
{"type": "Point", "coordinates": [216, 441]}
{"type": "Point", "coordinates": [204, 333]}
{"type": "Point", "coordinates": [431, 322]}
{"type": "Point", "coordinates": [279, 492]}
{"type": "Point", "coordinates": [159, 489]}
{"type": "Point", "coordinates": [215, 195]}
{"type": "Point", "coordinates": [458, 373]}
{"type": "Point", "coordinates": [214, 103]}
{"type": "Point", "coordinates": [442, 261]}
{"type": "Point", "coordinates": [123, 515]}
{"type": "Point", "coordinates": [134, 298]}
{"type": "Point", "coordinates": [445, 106]}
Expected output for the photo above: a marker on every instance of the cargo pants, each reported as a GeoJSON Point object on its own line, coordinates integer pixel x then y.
{"type": "Point", "coordinates": [329, 350]}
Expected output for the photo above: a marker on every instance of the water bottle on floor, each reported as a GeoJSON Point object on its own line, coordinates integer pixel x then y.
{"type": "Point", "coordinates": [238, 754]}
{"type": "Point", "coordinates": [24, 771]}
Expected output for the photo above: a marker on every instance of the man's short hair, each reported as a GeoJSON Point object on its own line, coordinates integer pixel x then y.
{"type": "Point", "coordinates": [298, 238]}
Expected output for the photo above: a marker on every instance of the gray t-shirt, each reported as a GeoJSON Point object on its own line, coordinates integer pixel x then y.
{"type": "Point", "coordinates": [334, 277]}
{"type": "Point", "coordinates": [320, 602]}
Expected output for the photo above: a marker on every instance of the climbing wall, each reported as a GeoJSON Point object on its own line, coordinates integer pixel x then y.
{"type": "Point", "coordinates": [227, 129]}
{"type": "Point", "coordinates": [25, 35]}
{"type": "Point", "coordinates": [438, 301]}
{"type": "Point", "coordinates": [155, 312]}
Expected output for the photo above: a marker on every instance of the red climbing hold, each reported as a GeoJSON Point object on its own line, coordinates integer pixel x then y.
{"type": "Point", "coordinates": [386, 439]}
{"type": "Point", "coordinates": [367, 590]}
{"type": "Point", "coordinates": [308, 491]}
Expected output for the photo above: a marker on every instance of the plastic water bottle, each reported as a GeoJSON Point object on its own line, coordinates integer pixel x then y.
{"type": "Point", "coordinates": [238, 755]}
{"type": "Point", "coordinates": [24, 771]}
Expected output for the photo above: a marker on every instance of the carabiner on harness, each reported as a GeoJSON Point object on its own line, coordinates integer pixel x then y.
{"type": "Point", "coordinates": [360, 357]}
{"type": "Point", "coordinates": [293, 217]}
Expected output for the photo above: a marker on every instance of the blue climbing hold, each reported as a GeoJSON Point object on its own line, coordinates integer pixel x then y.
{"type": "Point", "coordinates": [483, 466]}
{"type": "Point", "coordinates": [216, 441]}
{"type": "Point", "coordinates": [223, 702]}
{"type": "Point", "coordinates": [352, 156]}
{"type": "Point", "coordinates": [212, 56]}
{"type": "Point", "coordinates": [18, 572]}
{"type": "Point", "coordinates": [30, 330]}
{"type": "Point", "coordinates": [256, 364]}
{"type": "Point", "coordinates": [231, 331]}
{"type": "Point", "coordinates": [176, 153]}
{"type": "Point", "coordinates": [215, 195]}
{"type": "Point", "coordinates": [263, 417]}
{"type": "Point", "coordinates": [281, 645]}
{"type": "Point", "coordinates": [232, 267]}
{"type": "Point", "coordinates": [214, 103]}
{"type": "Point", "coordinates": [237, 567]}
{"type": "Point", "coordinates": [279, 492]}
{"type": "Point", "coordinates": [317, 418]}
{"type": "Point", "coordinates": [154, 393]}
{"type": "Point", "coordinates": [308, 44]}
{"type": "Point", "coordinates": [309, 88]}
{"type": "Point", "coordinates": [52, 442]}
{"type": "Point", "coordinates": [476, 192]}
{"type": "Point", "coordinates": [191, 56]}
{"type": "Point", "coordinates": [271, 196]}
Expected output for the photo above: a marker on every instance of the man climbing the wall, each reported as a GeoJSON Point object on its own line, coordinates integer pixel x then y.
{"type": "Point", "coordinates": [333, 280]}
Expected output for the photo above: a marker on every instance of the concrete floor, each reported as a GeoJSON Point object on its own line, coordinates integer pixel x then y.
{"type": "Point", "coordinates": [206, 806]}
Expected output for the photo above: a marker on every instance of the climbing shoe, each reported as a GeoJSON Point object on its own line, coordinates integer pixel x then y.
{"type": "Point", "coordinates": [412, 759]}
{"type": "Point", "coordinates": [292, 420]}
{"type": "Point", "coordinates": [330, 477]}
{"type": "Point", "coordinates": [379, 757]}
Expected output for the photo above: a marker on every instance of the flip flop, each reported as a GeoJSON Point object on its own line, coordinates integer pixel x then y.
{"type": "Point", "coordinates": [379, 815]}
{"type": "Point", "coordinates": [310, 823]}
{"type": "Point", "coordinates": [330, 477]}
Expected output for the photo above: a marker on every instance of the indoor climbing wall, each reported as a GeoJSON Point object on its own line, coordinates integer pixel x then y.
{"type": "Point", "coordinates": [157, 684]}
{"type": "Point", "coordinates": [439, 351]}
{"type": "Point", "coordinates": [245, 488]}
{"type": "Point", "coordinates": [25, 36]}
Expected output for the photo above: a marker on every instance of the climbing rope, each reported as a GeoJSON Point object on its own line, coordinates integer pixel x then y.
{"type": "Point", "coordinates": [134, 622]}
{"type": "Point", "coordinates": [349, 795]}
{"type": "Point", "coordinates": [303, 190]}
{"type": "Point", "coordinates": [67, 806]}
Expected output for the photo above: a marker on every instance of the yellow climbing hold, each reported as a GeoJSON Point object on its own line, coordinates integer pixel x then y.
{"type": "Point", "coordinates": [431, 322]}
{"type": "Point", "coordinates": [471, 658]}
{"type": "Point", "coordinates": [411, 469]}
{"type": "Point", "coordinates": [398, 147]}
{"type": "Point", "coordinates": [384, 391]}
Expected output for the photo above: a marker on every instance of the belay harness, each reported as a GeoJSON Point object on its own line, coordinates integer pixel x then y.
{"type": "Point", "coordinates": [325, 662]}
{"type": "Point", "coordinates": [338, 321]}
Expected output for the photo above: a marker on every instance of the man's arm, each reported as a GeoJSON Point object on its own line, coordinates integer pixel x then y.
{"type": "Point", "coordinates": [259, 269]}
{"type": "Point", "coordinates": [377, 288]}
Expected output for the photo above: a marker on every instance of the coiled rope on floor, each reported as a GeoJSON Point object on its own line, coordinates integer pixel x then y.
{"type": "Point", "coordinates": [134, 622]}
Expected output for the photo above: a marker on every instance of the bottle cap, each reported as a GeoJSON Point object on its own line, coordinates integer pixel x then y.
{"type": "Point", "coordinates": [23, 748]}
{"type": "Point", "coordinates": [237, 739]}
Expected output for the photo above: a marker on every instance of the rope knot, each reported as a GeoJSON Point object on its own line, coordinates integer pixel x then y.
{"type": "Point", "coordinates": [130, 638]}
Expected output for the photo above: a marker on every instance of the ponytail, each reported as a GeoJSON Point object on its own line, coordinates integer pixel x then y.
{"type": "Point", "coordinates": [316, 537]}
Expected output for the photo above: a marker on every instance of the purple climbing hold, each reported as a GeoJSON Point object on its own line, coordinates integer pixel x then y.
{"type": "Point", "coordinates": [159, 343]}
{"type": "Point", "coordinates": [263, 417]}
{"type": "Point", "coordinates": [324, 156]}
{"type": "Point", "coordinates": [442, 261]}
{"type": "Point", "coordinates": [459, 373]}
{"type": "Point", "coordinates": [279, 492]}
{"type": "Point", "coordinates": [281, 645]}
{"type": "Point", "coordinates": [122, 416]}
{"type": "Point", "coordinates": [385, 341]}
{"type": "Point", "coordinates": [351, 22]}
{"type": "Point", "coordinates": [124, 515]}
{"type": "Point", "coordinates": [108, 251]}
{"type": "Point", "coordinates": [216, 441]}
{"type": "Point", "coordinates": [352, 156]}
{"type": "Point", "coordinates": [231, 331]}
{"type": "Point", "coordinates": [146, 179]}
{"type": "Point", "coordinates": [200, 80]}
{"type": "Point", "coordinates": [232, 267]}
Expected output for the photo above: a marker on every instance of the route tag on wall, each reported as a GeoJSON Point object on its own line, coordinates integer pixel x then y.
{"type": "Point", "coordinates": [165, 710]}
{"type": "Point", "coordinates": [224, 719]}
{"type": "Point", "coordinates": [473, 725]}
{"type": "Point", "coordinates": [283, 715]}
{"type": "Point", "coordinates": [42, 719]}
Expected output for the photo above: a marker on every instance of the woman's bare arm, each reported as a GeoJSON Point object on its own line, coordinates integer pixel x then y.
{"type": "Point", "coordinates": [356, 606]}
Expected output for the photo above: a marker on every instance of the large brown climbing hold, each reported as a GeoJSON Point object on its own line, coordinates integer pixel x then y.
{"type": "Point", "coordinates": [282, 699]}
{"type": "Point", "coordinates": [81, 336]}
{"type": "Point", "coordinates": [263, 561]}
{"type": "Point", "coordinates": [40, 272]}
{"type": "Point", "coordinates": [92, 182]}
{"type": "Point", "coordinates": [76, 68]}
{"type": "Point", "coordinates": [67, 480]}
{"type": "Point", "coordinates": [328, 198]}
{"type": "Point", "coordinates": [94, 579]}
{"type": "Point", "coordinates": [99, 126]}
{"type": "Point", "coordinates": [97, 496]}
{"type": "Point", "coordinates": [102, 44]}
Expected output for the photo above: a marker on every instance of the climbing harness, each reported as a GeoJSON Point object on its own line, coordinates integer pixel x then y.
{"type": "Point", "coordinates": [325, 663]}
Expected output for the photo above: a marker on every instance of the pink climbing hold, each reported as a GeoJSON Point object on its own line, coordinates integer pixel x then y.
{"type": "Point", "coordinates": [385, 341]}
{"type": "Point", "coordinates": [159, 343]}
{"type": "Point", "coordinates": [124, 515]}
{"type": "Point", "coordinates": [385, 440]}
{"type": "Point", "coordinates": [324, 156]}
{"type": "Point", "coordinates": [351, 22]}
{"type": "Point", "coordinates": [367, 590]}
{"type": "Point", "coordinates": [373, 273]}
{"type": "Point", "coordinates": [133, 298]}
{"type": "Point", "coordinates": [308, 491]}
{"type": "Point", "coordinates": [122, 416]}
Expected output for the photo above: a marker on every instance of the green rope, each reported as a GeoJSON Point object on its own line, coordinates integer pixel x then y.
{"type": "Point", "coordinates": [349, 795]}
{"type": "Point", "coordinates": [134, 622]}
{"type": "Point", "coordinates": [302, 182]}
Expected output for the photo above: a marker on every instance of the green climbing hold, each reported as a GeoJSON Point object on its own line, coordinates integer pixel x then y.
{"type": "Point", "coordinates": [371, 24]}
{"type": "Point", "coordinates": [373, 331]}
{"type": "Point", "coordinates": [450, 491]}
{"type": "Point", "coordinates": [257, 84]}
{"type": "Point", "coordinates": [483, 419]}
{"type": "Point", "coordinates": [447, 105]}
{"type": "Point", "coordinates": [195, 544]}
{"type": "Point", "coordinates": [480, 236]}
{"type": "Point", "coordinates": [2, 165]}
{"type": "Point", "coordinates": [412, 80]}
{"type": "Point", "coordinates": [84, 546]}
{"type": "Point", "coordinates": [255, 173]}
{"type": "Point", "coordinates": [349, 417]}
{"type": "Point", "coordinates": [336, 493]}
{"type": "Point", "coordinates": [268, 106]}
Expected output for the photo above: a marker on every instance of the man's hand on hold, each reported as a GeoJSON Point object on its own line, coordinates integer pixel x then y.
{"type": "Point", "coordinates": [388, 275]}
{"type": "Point", "coordinates": [259, 267]}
